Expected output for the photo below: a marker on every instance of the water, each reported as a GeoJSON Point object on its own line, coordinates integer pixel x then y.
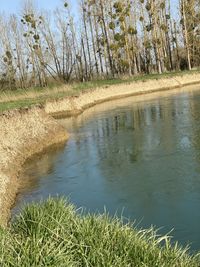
{"type": "Point", "coordinates": [139, 157]}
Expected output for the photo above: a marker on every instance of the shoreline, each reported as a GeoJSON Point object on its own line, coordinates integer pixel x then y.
{"type": "Point", "coordinates": [75, 105]}
{"type": "Point", "coordinates": [29, 131]}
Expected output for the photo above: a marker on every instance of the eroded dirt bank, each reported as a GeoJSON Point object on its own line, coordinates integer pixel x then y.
{"type": "Point", "coordinates": [75, 105]}
{"type": "Point", "coordinates": [23, 133]}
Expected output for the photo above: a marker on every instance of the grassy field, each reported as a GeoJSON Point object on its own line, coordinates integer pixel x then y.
{"type": "Point", "coordinates": [26, 98]}
{"type": "Point", "coordinates": [53, 234]}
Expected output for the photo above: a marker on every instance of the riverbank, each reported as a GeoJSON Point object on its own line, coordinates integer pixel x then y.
{"type": "Point", "coordinates": [23, 134]}
{"type": "Point", "coordinates": [29, 97]}
{"type": "Point", "coordinates": [28, 131]}
{"type": "Point", "coordinates": [76, 104]}
{"type": "Point", "coordinates": [54, 234]}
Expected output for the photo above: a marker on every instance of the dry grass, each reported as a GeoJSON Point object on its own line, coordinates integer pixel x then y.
{"type": "Point", "coordinates": [34, 93]}
{"type": "Point", "coordinates": [23, 134]}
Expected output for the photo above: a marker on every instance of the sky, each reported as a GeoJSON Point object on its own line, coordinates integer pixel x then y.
{"type": "Point", "coordinates": [14, 6]}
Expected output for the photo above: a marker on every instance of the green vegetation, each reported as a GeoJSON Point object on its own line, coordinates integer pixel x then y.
{"type": "Point", "coordinates": [21, 98]}
{"type": "Point", "coordinates": [53, 234]}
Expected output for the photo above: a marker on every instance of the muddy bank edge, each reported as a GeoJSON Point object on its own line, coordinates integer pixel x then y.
{"type": "Point", "coordinates": [23, 133]}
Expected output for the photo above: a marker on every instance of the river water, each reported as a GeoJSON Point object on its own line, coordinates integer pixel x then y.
{"type": "Point", "coordinates": [138, 157]}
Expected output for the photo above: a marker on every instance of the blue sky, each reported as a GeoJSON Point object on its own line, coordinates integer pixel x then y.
{"type": "Point", "coordinates": [14, 6]}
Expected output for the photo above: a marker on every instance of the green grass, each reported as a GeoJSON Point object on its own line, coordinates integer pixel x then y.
{"type": "Point", "coordinates": [28, 102]}
{"type": "Point", "coordinates": [53, 234]}
{"type": "Point", "coordinates": [27, 97]}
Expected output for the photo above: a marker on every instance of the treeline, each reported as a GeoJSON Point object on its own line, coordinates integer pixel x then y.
{"type": "Point", "coordinates": [111, 39]}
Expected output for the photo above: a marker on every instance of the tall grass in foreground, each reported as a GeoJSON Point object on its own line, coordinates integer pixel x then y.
{"type": "Point", "coordinates": [53, 234]}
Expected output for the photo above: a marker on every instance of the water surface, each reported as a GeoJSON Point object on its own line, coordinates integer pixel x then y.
{"type": "Point", "coordinates": [139, 156]}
